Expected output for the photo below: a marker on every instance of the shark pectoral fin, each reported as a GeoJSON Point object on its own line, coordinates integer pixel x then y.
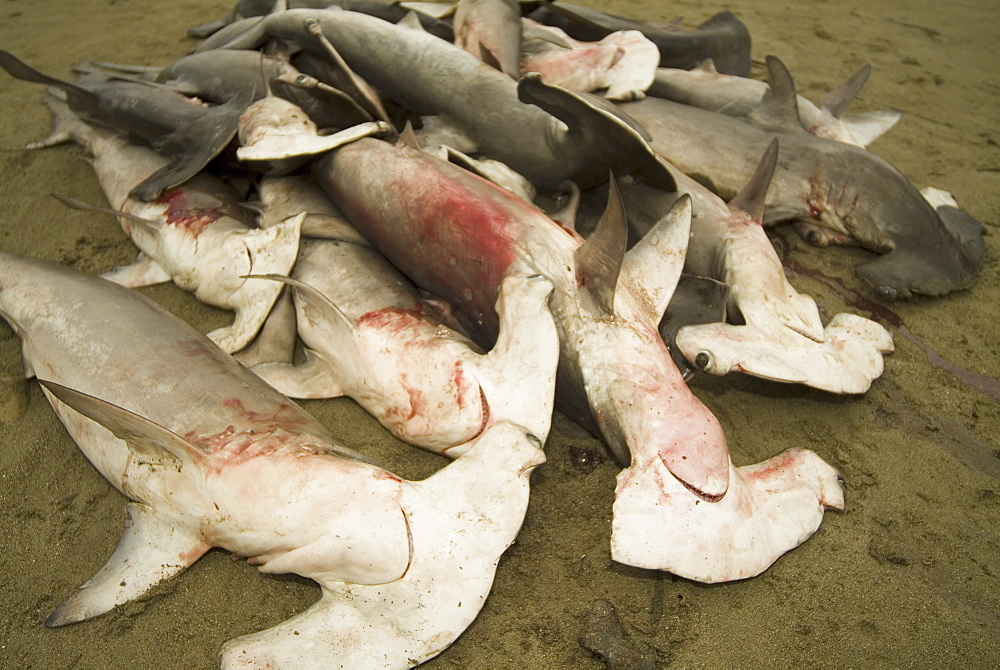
{"type": "Point", "coordinates": [318, 308]}
{"type": "Point", "coordinates": [147, 441]}
{"type": "Point", "coordinates": [153, 548]}
{"type": "Point", "coordinates": [779, 108]}
{"type": "Point", "coordinates": [654, 264]}
{"type": "Point", "coordinates": [598, 134]}
{"type": "Point", "coordinates": [869, 126]}
{"type": "Point", "coordinates": [436, 10]}
{"type": "Point", "coordinates": [412, 21]}
{"type": "Point", "coordinates": [599, 259]}
{"type": "Point", "coordinates": [271, 251]}
{"type": "Point", "coordinates": [144, 271]}
{"type": "Point", "coordinates": [191, 147]}
{"type": "Point", "coordinates": [518, 375]}
{"type": "Point", "coordinates": [311, 379]}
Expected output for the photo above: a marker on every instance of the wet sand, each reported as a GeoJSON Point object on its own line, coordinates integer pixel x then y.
{"type": "Point", "coordinates": [905, 577]}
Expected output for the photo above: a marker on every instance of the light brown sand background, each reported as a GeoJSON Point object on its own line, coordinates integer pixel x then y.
{"type": "Point", "coordinates": [907, 576]}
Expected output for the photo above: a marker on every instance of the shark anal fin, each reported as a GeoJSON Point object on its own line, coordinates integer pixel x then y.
{"type": "Point", "coordinates": [152, 549]}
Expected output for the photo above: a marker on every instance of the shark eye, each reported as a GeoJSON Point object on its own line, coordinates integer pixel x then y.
{"type": "Point", "coordinates": [303, 80]}
{"type": "Point", "coordinates": [703, 360]}
{"type": "Point", "coordinates": [885, 292]}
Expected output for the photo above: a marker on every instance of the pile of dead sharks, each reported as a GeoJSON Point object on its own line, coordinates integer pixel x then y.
{"type": "Point", "coordinates": [460, 216]}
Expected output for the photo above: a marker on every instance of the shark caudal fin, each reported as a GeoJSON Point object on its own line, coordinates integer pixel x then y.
{"type": "Point", "coordinates": [156, 544]}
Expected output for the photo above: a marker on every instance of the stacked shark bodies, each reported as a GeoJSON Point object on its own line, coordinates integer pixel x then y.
{"type": "Point", "coordinates": [388, 218]}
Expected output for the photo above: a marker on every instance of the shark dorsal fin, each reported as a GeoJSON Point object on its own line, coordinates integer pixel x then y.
{"type": "Point", "coordinates": [411, 20]}
{"type": "Point", "coordinates": [366, 94]}
{"type": "Point", "coordinates": [836, 101]}
{"type": "Point", "coordinates": [408, 138]}
{"type": "Point", "coordinates": [599, 259]}
{"type": "Point", "coordinates": [146, 439]}
{"type": "Point", "coordinates": [707, 65]}
{"type": "Point", "coordinates": [779, 109]}
{"type": "Point", "coordinates": [751, 199]}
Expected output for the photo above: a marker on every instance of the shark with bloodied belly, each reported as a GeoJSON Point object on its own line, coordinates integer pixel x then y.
{"type": "Point", "coordinates": [680, 505]}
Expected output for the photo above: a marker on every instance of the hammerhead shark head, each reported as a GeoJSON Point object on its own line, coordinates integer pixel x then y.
{"type": "Point", "coordinates": [681, 505]}
{"type": "Point", "coordinates": [209, 455]}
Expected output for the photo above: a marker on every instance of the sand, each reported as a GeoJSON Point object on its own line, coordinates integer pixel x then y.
{"type": "Point", "coordinates": [906, 576]}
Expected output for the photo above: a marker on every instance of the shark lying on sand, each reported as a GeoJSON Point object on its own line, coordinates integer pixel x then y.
{"type": "Point", "coordinates": [681, 505]}
{"type": "Point", "coordinates": [843, 189]}
{"type": "Point", "coordinates": [208, 455]}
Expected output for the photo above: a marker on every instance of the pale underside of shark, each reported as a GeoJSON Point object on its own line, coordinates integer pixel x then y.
{"type": "Point", "coordinates": [458, 236]}
{"type": "Point", "coordinates": [368, 335]}
{"type": "Point", "coordinates": [209, 455]}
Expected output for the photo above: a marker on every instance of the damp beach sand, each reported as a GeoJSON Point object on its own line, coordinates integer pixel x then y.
{"type": "Point", "coordinates": [906, 576]}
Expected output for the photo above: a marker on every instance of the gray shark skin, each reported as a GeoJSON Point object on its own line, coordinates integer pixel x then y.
{"type": "Point", "coordinates": [581, 144]}
{"type": "Point", "coordinates": [208, 455]}
{"type": "Point", "coordinates": [723, 37]}
{"type": "Point", "coordinates": [189, 133]}
{"type": "Point", "coordinates": [458, 236]}
{"type": "Point", "coordinates": [845, 188]}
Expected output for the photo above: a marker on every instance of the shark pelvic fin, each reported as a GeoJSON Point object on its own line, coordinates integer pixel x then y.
{"type": "Point", "coordinates": [779, 108]}
{"type": "Point", "coordinates": [751, 198]}
{"type": "Point", "coordinates": [310, 379]}
{"type": "Point", "coordinates": [147, 440]}
{"type": "Point", "coordinates": [654, 264]}
{"type": "Point", "coordinates": [153, 548]}
{"type": "Point", "coordinates": [837, 100]}
{"type": "Point", "coordinates": [599, 259]}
